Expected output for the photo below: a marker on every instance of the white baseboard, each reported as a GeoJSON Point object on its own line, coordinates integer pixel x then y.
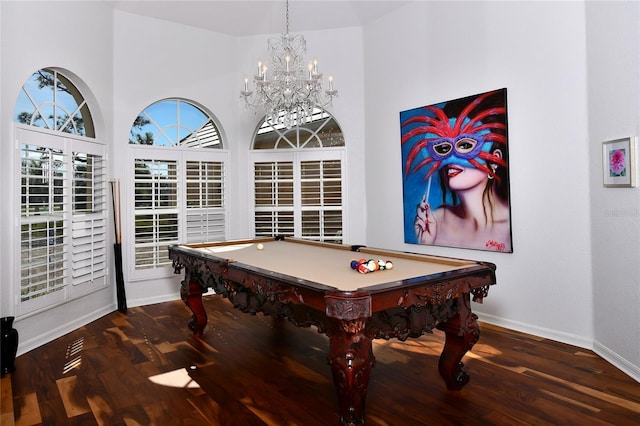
{"type": "Point", "coordinates": [608, 355]}
{"type": "Point", "coordinates": [547, 333]}
{"type": "Point", "coordinates": [144, 301]}
{"type": "Point", "coordinates": [616, 360]}
{"type": "Point", "coordinates": [68, 327]}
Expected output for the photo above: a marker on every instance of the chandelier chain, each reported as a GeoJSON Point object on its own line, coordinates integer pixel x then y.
{"type": "Point", "coordinates": [287, 18]}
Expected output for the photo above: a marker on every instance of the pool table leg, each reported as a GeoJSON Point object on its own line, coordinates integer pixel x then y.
{"type": "Point", "coordinates": [351, 360]}
{"type": "Point", "coordinates": [191, 294]}
{"type": "Point", "coordinates": [462, 332]}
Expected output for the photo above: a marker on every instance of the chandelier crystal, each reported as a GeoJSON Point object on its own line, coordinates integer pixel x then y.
{"type": "Point", "coordinates": [289, 89]}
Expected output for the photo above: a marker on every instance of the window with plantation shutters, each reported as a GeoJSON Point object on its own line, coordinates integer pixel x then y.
{"type": "Point", "coordinates": [298, 175]}
{"type": "Point", "coordinates": [63, 211]}
{"type": "Point", "coordinates": [63, 217]}
{"type": "Point", "coordinates": [178, 182]}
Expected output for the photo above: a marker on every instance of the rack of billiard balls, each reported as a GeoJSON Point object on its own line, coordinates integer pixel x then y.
{"type": "Point", "coordinates": [364, 266]}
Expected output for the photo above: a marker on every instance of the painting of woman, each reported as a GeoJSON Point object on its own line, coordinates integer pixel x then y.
{"type": "Point", "coordinates": [455, 173]}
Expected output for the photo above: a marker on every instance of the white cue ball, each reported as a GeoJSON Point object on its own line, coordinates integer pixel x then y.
{"type": "Point", "coordinates": [260, 246]}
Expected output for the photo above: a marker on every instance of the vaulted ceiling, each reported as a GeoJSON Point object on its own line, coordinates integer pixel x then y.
{"type": "Point", "coordinates": [251, 17]}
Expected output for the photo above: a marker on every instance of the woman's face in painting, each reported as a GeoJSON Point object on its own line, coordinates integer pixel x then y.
{"type": "Point", "coordinates": [462, 178]}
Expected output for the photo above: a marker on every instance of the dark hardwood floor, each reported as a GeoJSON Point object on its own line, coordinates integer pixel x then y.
{"type": "Point", "coordinates": [145, 368]}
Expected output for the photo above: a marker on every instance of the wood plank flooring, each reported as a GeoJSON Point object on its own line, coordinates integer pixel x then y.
{"type": "Point", "coordinates": [145, 368]}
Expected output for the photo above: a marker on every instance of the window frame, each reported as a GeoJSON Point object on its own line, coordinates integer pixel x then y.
{"type": "Point", "coordinates": [68, 144]}
{"type": "Point", "coordinates": [277, 143]}
{"type": "Point", "coordinates": [181, 153]}
{"type": "Point", "coordinates": [297, 156]}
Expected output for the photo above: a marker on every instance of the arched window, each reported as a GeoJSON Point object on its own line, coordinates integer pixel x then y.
{"type": "Point", "coordinates": [49, 100]}
{"type": "Point", "coordinates": [176, 123]}
{"type": "Point", "coordinates": [63, 192]}
{"type": "Point", "coordinates": [178, 164]}
{"type": "Point", "coordinates": [298, 175]}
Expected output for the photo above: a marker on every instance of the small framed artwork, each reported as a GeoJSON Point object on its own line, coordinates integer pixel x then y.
{"type": "Point", "coordinates": [618, 162]}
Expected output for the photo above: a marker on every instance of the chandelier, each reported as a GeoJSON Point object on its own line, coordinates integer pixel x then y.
{"type": "Point", "coordinates": [289, 90]}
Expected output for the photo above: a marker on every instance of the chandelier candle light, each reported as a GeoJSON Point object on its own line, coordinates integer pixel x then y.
{"type": "Point", "coordinates": [294, 90]}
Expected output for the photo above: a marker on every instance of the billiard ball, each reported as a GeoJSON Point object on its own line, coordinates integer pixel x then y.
{"type": "Point", "coordinates": [260, 246]}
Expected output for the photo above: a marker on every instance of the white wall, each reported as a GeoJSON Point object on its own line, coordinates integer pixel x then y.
{"type": "Point", "coordinates": [613, 53]}
{"type": "Point", "coordinates": [574, 273]}
{"type": "Point", "coordinates": [32, 38]}
{"type": "Point", "coordinates": [428, 52]}
{"type": "Point", "coordinates": [155, 60]}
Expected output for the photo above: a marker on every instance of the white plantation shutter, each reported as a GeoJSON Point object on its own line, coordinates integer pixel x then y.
{"type": "Point", "coordinates": [205, 201]}
{"type": "Point", "coordinates": [321, 200]}
{"type": "Point", "coordinates": [156, 211]}
{"type": "Point", "coordinates": [89, 225]}
{"type": "Point", "coordinates": [44, 212]}
{"type": "Point", "coordinates": [89, 183]}
{"type": "Point", "coordinates": [274, 198]}
{"type": "Point", "coordinates": [154, 233]}
{"type": "Point", "coordinates": [43, 267]}
{"type": "Point", "coordinates": [204, 226]}
{"type": "Point", "coordinates": [88, 251]}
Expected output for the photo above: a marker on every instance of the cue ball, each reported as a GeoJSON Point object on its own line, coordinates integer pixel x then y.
{"type": "Point", "coordinates": [260, 246]}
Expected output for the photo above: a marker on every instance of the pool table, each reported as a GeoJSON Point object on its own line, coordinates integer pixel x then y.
{"type": "Point", "coordinates": [313, 283]}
